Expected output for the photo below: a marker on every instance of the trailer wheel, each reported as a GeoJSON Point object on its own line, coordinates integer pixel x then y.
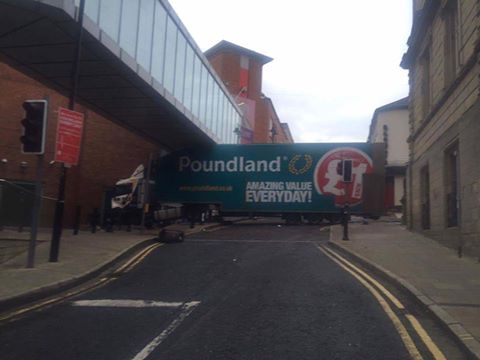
{"type": "Point", "coordinates": [314, 219]}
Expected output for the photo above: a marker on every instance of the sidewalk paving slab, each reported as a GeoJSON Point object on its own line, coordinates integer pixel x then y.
{"type": "Point", "coordinates": [445, 284]}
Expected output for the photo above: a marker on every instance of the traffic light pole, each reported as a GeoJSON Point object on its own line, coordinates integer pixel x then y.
{"type": "Point", "coordinates": [60, 203]}
{"type": "Point", "coordinates": [37, 201]}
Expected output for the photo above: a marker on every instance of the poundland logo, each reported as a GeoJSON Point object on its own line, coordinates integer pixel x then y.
{"type": "Point", "coordinates": [237, 164]}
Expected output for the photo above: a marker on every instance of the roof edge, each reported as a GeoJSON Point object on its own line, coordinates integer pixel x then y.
{"type": "Point", "coordinates": [226, 45]}
{"type": "Point", "coordinates": [395, 105]}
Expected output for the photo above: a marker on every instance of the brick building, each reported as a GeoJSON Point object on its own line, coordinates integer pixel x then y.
{"type": "Point", "coordinates": [444, 172]}
{"type": "Point", "coordinates": [104, 144]}
{"type": "Point", "coordinates": [241, 71]}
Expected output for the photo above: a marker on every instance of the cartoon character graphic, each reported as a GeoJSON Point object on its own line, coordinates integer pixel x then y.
{"type": "Point", "coordinates": [340, 173]}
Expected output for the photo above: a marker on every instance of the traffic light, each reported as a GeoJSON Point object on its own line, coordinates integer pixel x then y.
{"type": "Point", "coordinates": [347, 170]}
{"type": "Point", "coordinates": [34, 125]}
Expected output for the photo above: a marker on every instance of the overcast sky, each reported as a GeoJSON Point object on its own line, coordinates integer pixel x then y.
{"type": "Point", "coordinates": [334, 62]}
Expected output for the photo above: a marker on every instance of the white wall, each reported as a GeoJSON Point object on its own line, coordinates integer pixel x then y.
{"type": "Point", "coordinates": [398, 132]}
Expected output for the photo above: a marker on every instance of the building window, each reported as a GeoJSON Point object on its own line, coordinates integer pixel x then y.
{"type": "Point", "coordinates": [425, 197]}
{"type": "Point", "coordinates": [452, 185]}
{"type": "Point", "coordinates": [425, 86]}
{"type": "Point", "coordinates": [450, 41]}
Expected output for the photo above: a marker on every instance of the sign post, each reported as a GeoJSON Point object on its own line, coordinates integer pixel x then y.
{"type": "Point", "coordinates": [67, 151]}
{"type": "Point", "coordinates": [58, 220]}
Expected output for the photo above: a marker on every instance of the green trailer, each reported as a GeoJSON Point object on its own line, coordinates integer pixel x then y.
{"type": "Point", "coordinates": [309, 181]}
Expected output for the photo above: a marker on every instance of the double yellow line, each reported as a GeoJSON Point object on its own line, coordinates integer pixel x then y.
{"type": "Point", "coordinates": [128, 266]}
{"type": "Point", "coordinates": [137, 259]}
{"type": "Point", "coordinates": [383, 296]}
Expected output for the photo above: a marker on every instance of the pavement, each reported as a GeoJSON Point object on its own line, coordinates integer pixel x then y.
{"type": "Point", "coordinates": [445, 284]}
{"type": "Point", "coordinates": [81, 257]}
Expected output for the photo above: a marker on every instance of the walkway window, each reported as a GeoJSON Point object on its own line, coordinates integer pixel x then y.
{"type": "Point", "coordinates": [92, 9]}
{"type": "Point", "coordinates": [425, 197]}
{"type": "Point", "coordinates": [180, 66]}
{"type": "Point", "coordinates": [188, 85]}
{"type": "Point", "coordinates": [216, 97]}
{"type": "Point", "coordinates": [170, 52]}
{"type": "Point", "coordinates": [129, 28]}
{"type": "Point", "coordinates": [209, 99]}
{"type": "Point", "coordinates": [158, 49]}
{"type": "Point", "coordinates": [110, 18]}
{"type": "Point", "coordinates": [451, 185]}
{"type": "Point", "coordinates": [197, 81]}
{"type": "Point", "coordinates": [223, 118]}
{"type": "Point", "coordinates": [204, 96]}
{"type": "Point", "coordinates": [145, 31]}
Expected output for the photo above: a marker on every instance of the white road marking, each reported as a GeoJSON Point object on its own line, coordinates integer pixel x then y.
{"type": "Point", "coordinates": [187, 309]}
{"type": "Point", "coordinates": [126, 303]}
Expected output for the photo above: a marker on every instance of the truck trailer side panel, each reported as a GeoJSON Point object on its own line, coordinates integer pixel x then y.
{"type": "Point", "coordinates": [269, 178]}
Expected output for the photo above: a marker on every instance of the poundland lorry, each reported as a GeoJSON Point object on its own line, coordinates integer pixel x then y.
{"type": "Point", "coordinates": [296, 181]}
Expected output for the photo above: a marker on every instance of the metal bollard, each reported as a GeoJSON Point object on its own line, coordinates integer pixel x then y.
{"type": "Point", "coordinates": [345, 218]}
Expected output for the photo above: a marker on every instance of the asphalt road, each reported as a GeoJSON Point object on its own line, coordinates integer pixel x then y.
{"type": "Point", "coordinates": [248, 291]}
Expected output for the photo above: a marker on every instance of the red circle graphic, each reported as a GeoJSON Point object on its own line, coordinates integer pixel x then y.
{"type": "Point", "coordinates": [329, 180]}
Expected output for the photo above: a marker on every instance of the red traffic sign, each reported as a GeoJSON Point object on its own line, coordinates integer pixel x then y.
{"type": "Point", "coordinates": [69, 136]}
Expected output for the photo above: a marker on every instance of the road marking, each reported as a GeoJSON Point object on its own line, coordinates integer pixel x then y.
{"type": "Point", "coordinates": [126, 303]}
{"type": "Point", "coordinates": [402, 331]}
{"type": "Point", "coordinates": [422, 333]}
{"type": "Point", "coordinates": [374, 282]}
{"type": "Point", "coordinates": [142, 256]}
{"type": "Point", "coordinates": [187, 309]}
{"type": "Point", "coordinates": [129, 265]}
{"type": "Point", "coordinates": [101, 282]}
{"type": "Point", "coordinates": [427, 340]}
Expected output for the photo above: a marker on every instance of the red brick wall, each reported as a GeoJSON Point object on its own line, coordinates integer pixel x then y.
{"type": "Point", "coordinates": [262, 133]}
{"type": "Point", "coordinates": [109, 152]}
{"type": "Point", "coordinates": [255, 80]}
{"type": "Point", "coordinates": [227, 65]}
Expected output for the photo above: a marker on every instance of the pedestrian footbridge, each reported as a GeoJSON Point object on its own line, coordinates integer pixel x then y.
{"type": "Point", "coordinates": [139, 66]}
